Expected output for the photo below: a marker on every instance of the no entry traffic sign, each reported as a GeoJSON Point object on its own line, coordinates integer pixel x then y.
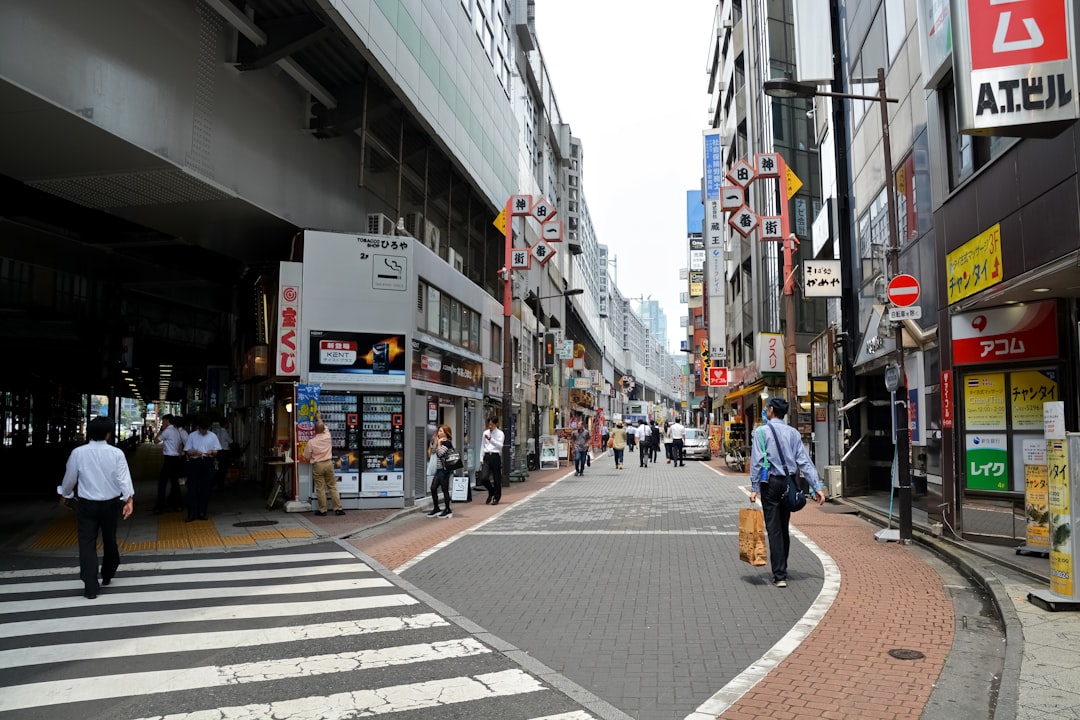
{"type": "Point", "coordinates": [904, 290]}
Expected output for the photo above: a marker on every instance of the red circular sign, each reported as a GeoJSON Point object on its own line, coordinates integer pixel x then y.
{"type": "Point", "coordinates": [904, 290]}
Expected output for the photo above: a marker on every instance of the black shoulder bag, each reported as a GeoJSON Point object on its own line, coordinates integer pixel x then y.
{"type": "Point", "coordinates": [794, 497]}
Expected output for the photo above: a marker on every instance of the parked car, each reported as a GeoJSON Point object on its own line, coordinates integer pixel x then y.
{"type": "Point", "coordinates": [696, 445]}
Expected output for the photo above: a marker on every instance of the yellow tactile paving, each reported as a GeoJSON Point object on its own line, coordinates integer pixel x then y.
{"type": "Point", "coordinates": [138, 546]}
{"type": "Point", "coordinates": [267, 534]}
{"type": "Point", "coordinates": [238, 539]}
{"type": "Point", "coordinates": [62, 532]}
{"type": "Point", "coordinates": [296, 533]}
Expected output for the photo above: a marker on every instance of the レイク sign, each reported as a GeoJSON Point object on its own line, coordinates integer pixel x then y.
{"type": "Point", "coordinates": [290, 276]}
{"type": "Point", "coordinates": [1016, 66]}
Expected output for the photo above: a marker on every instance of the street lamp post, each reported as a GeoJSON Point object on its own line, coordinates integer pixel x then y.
{"type": "Point", "coordinates": [536, 375]}
{"type": "Point", "coordinates": [785, 88]}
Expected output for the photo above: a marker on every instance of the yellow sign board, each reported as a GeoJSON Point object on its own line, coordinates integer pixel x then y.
{"type": "Point", "coordinates": [975, 265]}
{"type": "Point", "coordinates": [793, 183]}
{"type": "Point", "coordinates": [984, 401]}
{"type": "Point", "coordinates": [1029, 390]}
{"type": "Point", "coordinates": [500, 221]}
{"type": "Point", "coordinates": [1060, 504]}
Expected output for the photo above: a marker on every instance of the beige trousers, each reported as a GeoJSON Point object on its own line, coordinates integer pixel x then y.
{"type": "Point", "coordinates": [323, 475]}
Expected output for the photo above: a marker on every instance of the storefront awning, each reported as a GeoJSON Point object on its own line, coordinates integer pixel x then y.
{"type": "Point", "coordinates": [754, 388]}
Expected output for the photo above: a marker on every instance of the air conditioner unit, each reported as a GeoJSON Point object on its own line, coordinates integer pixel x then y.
{"type": "Point", "coordinates": [414, 225]}
{"type": "Point", "coordinates": [432, 236]}
{"type": "Point", "coordinates": [379, 224]}
{"type": "Point", "coordinates": [834, 477]}
{"type": "Point", "coordinates": [455, 259]}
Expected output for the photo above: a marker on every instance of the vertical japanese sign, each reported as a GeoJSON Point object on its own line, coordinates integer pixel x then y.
{"type": "Point", "coordinates": [715, 260]}
{"type": "Point", "coordinates": [1059, 501]}
{"type": "Point", "coordinates": [770, 353]}
{"type": "Point", "coordinates": [946, 399]}
{"type": "Point", "coordinates": [290, 279]}
{"type": "Point", "coordinates": [1015, 64]}
{"type": "Point", "coordinates": [1036, 495]}
{"type": "Point", "coordinates": [307, 405]}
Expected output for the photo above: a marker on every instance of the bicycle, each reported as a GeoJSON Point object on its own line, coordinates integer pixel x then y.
{"type": "Point", "coordinates": [735, 457]}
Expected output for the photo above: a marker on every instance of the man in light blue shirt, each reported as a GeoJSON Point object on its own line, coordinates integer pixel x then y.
{"type": "Point", "coordinates": [784, 460]}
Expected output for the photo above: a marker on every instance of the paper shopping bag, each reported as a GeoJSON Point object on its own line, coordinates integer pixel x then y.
{"type": "Point", "coordinates": [752, 537]}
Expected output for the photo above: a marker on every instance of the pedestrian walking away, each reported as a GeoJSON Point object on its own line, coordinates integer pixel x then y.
{"type": "Point", "coordinates": [667, 442]}
{"type": "Point", "coordinates": [678, 441]}
{"type": "Point", "coordinates": [631, 436]}
{"type": "Point", "coordinates": [491, 448]}
{"type": "Point", "coordinates": [580, 439]}
{"type": "Point", "coordinates": [643, 444]}
{"type": "Point", "coordinates": [98, 482]}
{"type": "Point", "coordinates": [654, 441]}
{"type": "Point", "coordinates": [201, 448]}
{"type": "Point", "coordinates": [319, 453]}
{"type": "Point", "coordinates": [775, 446]}
{"type": "Point", "coordinates": [172, 467]}
{"type": "Point", "coordinates": [442, 445]}
{"type": "Point", "coordinates": [618, 444]}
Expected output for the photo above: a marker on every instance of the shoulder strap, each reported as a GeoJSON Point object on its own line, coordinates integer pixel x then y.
{"type": "Point", "coordinates": [779, 448]}
{"type": "Point", "coordinates": [764, 448]}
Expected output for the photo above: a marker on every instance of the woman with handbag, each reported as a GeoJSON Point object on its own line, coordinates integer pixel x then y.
{"type": "Point", "coordinates": [442, 445]}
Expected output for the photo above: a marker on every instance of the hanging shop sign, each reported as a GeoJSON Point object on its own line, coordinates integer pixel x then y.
{"type": "Point", "coordinates": [821, 278]}
{"type": "Point", "coordinates": [1005, 334]}
{"type": "Point", "coordinates": [352, 357]}
{"type": "Point", "coordinates": [439, 366]}
{"type": "Point", "coordinates": [286, 359]}
{"type": "Point", "coordinates": [1015, 64]}
{"type": "Point", "coordinates": [975, 265]}
{"type": "Point", "coordinates": [770, 353]}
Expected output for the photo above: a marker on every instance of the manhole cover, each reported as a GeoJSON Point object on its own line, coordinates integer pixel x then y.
{"type": "Point", "coordinates": [255, 523]}
{"type": "Point", "coordinates": [901, 654]}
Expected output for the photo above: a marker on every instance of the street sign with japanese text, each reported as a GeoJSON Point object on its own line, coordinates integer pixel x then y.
{"type": "Point", "coordinates": [552, 230]}
{"type": "Point", "coordinates": [822, 278]}
{"type": "Point", "coordinates": [741, 173]}
{"type": "Point", "coordinates": [904, 290]}
{"type": "Point", "coordinates": [744, 221]}
{"type": "Point", "coordinates": [771, 228]}
{"type": "Point", "coordinates": [542, 210]}
{"type": "Point", "coordinates": [767, 165]}
{"type": "Point", "coordinates": [793, 183]}
{"type": "Point", "coordinates": [542, 252]}
{"type": "Point", "coordinates": [520, 259]}
{"type": "Point", "coordinates": [732, 197]}
{"type": "Point", "coordinates": [718, 377]}
{"type": "Point", "coordinates": [896, 314]}
{"type": "Point", "coordinates": [500, 221]}
{"type": "Point", "coordinates": [520, 204]}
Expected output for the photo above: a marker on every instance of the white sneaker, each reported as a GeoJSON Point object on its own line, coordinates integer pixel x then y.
{"type": "Point", "coordinates": [780, 583]}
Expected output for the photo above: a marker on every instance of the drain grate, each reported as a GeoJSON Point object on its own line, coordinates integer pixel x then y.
{"type": "Point", "coordinates": [255, 523]}
{"type": "Point", "coordinates": [901, 654]}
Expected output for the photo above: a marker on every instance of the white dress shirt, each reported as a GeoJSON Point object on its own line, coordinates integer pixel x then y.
{"type": "Point", "coordinates": [100, 470]}
{"type": "Point", "coordinates": [678, 432]}
{"type": "Point", "coordinates": [170, 441]}
{"type": "Point", "coordinates": [203, 444]}
{"type": "Point", "coordinates": [643, 432]}
{"type": "Point", "coordinates": [493, 441]}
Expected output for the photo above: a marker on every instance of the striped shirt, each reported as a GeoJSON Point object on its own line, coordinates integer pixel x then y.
{"type": "Point", "coordinates": [794, 452]}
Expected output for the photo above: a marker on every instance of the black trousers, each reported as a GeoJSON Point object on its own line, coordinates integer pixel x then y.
{"type": "Point", "coordinates": [199, 478]}
{"type": "Point", "coordinates": [440, 481]}
{"type": "Point", "coordinates": [98, 516]}
{"type": "Point", "coordinates": [677, 452]}
{"type": "Point", "coordinates": [169, 483]}
{"type": "Point", "coordinates": [493, 482]}
{"type": "Point", "coordinates": [777, 519]}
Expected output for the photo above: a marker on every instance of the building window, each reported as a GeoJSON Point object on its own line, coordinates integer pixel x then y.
{"type": "Point", "coordinates": [966, 153]}
{"type": "Point", "coordinates": [496, 343]}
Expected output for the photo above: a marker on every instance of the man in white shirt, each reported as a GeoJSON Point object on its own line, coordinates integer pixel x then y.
{"type": "Point", "coordinates": [201, 448]}
{"type": "Point", "coordinates": [678, 440]}
{"type": "Point", "coordinates": [643, 433]}
{"type": "Point", "coordinates": [491, 452]}
{"type": "Point", "coordinates": [224, 458]}
{"type": "Point", "coordinates": [99, 473]}
{"type": "Point", "coordinates": [172, 467]}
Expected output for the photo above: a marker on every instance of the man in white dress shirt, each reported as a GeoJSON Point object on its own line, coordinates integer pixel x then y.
{"type": "Point", "coordinates": [172, 467]}
{"type": "Point", "coordinates": [201, 447]}
{"type": "Point", "coordinates": [99, 473]}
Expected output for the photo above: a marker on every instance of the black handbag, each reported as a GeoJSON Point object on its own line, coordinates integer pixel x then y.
{"type": "Point", "coordinates": [484, 473]}
{"type": "Point", "coordinates": [452, 460]}
{"type": "Point", "coordinates": [794, 497]}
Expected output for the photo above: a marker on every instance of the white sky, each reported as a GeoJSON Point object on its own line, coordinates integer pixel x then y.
{"type": "Point", "coordinates": [630, 79]}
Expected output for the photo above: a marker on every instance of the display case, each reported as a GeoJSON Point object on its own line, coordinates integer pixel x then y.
{"type": "Point", "coordinates": [341, 413]}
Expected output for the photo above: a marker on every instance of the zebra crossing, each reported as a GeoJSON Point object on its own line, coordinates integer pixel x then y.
{"type": "Point", "coordinates": [286, 633]}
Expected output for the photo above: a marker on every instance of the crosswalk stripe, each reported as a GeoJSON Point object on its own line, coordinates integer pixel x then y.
{"type": "Point", "coordinates": [86, 689]}
{"type": "Point", "coordinates": [186, 578]}
{"type": "Point", "coordinates": [167, 565]}
{"type": "Point", "coordinates": [379, 701]}
{"type": "Point", "coordinates": [576, 715]}
{"type": "Point", "coordinates": [141, 646]}
{"type": "Point", "coordinates": [219, 612]}
{"type": "Point", "coordinates": [60, 603]}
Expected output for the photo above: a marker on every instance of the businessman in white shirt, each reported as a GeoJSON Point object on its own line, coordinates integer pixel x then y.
{"type": "Point", "coordinates": [105, 493]}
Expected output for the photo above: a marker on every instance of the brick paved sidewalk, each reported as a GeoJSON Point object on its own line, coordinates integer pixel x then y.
{"type": "Point", "coordinates": [888, 599]}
